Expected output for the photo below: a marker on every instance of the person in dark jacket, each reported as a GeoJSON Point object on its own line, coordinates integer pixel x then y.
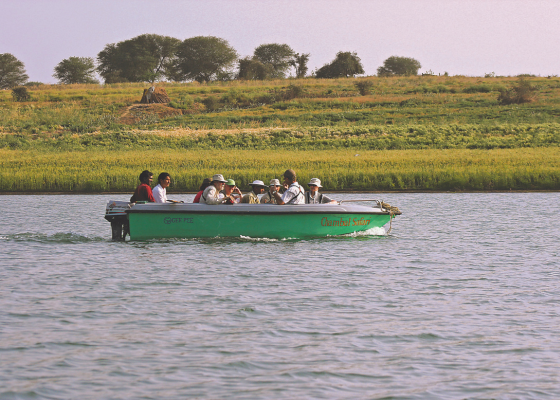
{"type": "Point", "coordinates": [144, 192]}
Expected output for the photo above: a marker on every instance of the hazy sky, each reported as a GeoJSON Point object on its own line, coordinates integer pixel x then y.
{"type": "Point", "coordinates": [462, 37]}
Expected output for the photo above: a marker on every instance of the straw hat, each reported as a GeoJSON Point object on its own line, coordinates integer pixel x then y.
{"type": "Point", "coordinates": [315, 181]}
{"type": "Point", "coordinates": [218, 178]}
{"type": "Point", "coordinates": [274, 182]}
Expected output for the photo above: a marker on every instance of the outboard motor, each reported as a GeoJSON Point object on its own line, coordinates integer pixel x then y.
{"type": "Point", "coordinates": [115, 213]}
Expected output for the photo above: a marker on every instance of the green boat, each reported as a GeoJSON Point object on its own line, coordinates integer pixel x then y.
{"type": "Point", "coordinates": [189, 220]}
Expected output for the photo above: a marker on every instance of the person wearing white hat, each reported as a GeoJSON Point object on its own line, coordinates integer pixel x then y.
{"type": "Point", "coordinates": [268, 197]}
{"type": "Point", "coordinates": [313, 196]}
{"type": "Point", "coordinates": [211, 194]}
{"type": "Point", "coordinates": [252, 197]}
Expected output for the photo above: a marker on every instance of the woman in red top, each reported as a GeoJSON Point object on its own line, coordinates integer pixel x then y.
{"type": "Point", "coordinates": [205, 183]}
{"type": "Point", "coordinates": [144, 192]}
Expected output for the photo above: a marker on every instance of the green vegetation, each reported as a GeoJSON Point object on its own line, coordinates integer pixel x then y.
{"type": "Point", "coordinates": [411, 133]}
{"type": "Point", "coordinates": [99, 170]}
{"type": "Point", "coordinates": [12, 71]}
{"type": "Point", "coordinates": [399, 66]}
{"type": "Point", "coordinates": [75, 70]}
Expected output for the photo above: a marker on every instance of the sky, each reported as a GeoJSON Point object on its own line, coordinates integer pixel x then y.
{"type": "Point", "coordinates": [461, 37]}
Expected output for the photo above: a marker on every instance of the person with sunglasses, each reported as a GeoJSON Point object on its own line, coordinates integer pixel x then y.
{"type": "Point", "coordinates": [268, 197]}
{"type": "Point", "coordinates": [313, 196]}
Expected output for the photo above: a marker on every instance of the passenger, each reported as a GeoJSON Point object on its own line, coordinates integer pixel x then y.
{"type": "Point", "coordinates": [205, 183]}
{"type": "Point", "coordinates": [314, 197]}
{"type": "Point", "coordinates": [294, 193]}
{"type": "Point", "coordinates": [258, 188]}
{"type": "Point", "coordinates": [268, 197]}
{"type": "Point", "coordinates": [232, 191]}
{"type": "Point", "coordinates": [211, 194]}
{"type": "Point", "coordinates": [160, 192]}
{"type": "Point", "coordinates": [144, 192]}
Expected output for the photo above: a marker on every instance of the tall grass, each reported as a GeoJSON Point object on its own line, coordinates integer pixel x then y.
{"type": "Point", "coordinates": [437, 170]}
{"type": "Point", "coordinates": [365, 137]}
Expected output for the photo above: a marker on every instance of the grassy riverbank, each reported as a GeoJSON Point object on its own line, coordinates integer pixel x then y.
{"type": "Point", "coordinates": [410, 133]}
{"type": "Point", "coordinates": [431, 169]}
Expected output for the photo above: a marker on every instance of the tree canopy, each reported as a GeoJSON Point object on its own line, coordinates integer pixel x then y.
{"type": "Point", "coordinates": [276, 55]}
{"type": "Point", "coordinates": [12, 71]}
{"type": "Point", "coordinates": [299, 62]}
{"type": "Point", "coordinates": [252, 69]}
{"type": "Point", "coordinates": [346, 64]}
{"type": "Point", "coordinates": [75, 70]}
{"type": "Point", "coordinates": [203, 59]}
{"type": "Point", "coordinates": [145, 58]}
{"type": "Point", "coordinates": [399, 66]}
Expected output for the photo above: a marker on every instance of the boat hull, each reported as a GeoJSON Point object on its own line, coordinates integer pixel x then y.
{"type": "Point", "coordinates": [151, 221]}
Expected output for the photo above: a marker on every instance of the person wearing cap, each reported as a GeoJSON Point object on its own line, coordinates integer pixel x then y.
{"type": "Point", "coordinates": [294, 193]}
{"type": "Point", "coordinates": [211, 194]}
{"type": "Point", "coordinates": [232, 191]}
{"type": "Point", "coordinates": [313, 196]}
{"type": "Point", "coordinates": [252, 197]}
{"type": "Point", "coordinates": [268, 197]}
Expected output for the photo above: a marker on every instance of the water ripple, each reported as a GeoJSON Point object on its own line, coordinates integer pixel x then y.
{"type": "Point", "coordinates": [458, 301]}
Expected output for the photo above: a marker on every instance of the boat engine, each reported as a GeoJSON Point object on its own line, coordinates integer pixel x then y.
{"type": "Point", "coordinates": [115, 213]}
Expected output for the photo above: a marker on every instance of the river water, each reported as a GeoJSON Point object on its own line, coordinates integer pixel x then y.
{"type": "Point", "coordinates": [461, 300]}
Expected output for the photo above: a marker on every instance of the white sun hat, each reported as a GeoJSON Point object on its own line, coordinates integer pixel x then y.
{"type": "Point", "coordinates": [218, 178]}
{"type": "Point", "coordinates": [315, 181]}
{"type": "Point", "coordinates": [257, 183]}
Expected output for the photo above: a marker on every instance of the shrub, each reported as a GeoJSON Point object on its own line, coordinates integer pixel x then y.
{"type": "Point", "coordinates": [20, 93]}
{"type": "Point", "coordinates": [520, 93]}
{"type": "Point", "coordinates": [364, 87]}
{"type": "Point", "coordinates": [211, 103]}
{"type": "Point", "coordinates": [293, 91]}
{"type": "Point", "coordinates": [478, 89]}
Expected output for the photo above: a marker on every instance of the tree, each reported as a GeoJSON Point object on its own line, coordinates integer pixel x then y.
{"type": "Point", "coordinates": [250, 69]}
{"type": "Point", "coordinates": [203, 59]}
{"type": "Point", "coordinates": [75, 70]}
{"type": "Point", "coordinates": [276, 55]}
{"type": "Point", "coordinates": [12, 71]}
{"type": "Point", "coordinates": [299, 62]}
{"type": "Point", "coordinates": [346, 64]}
{"type": "Point", "coordinates": [144, 58]}
{"type": "Point", "coordinates": [399, 66]}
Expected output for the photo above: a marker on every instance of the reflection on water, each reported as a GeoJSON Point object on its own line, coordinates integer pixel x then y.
{"type": "Point", "coordinates": [460, 301]}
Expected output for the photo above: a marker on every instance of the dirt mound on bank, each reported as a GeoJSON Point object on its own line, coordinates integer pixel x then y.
{"type": "Point", "coordinates": [159, 95]}
{"type": "Point", "coordinates": [146, 112]}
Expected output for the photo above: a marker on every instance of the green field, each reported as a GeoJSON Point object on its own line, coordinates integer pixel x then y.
{"type": "Point", "coordinates": [413, 133]}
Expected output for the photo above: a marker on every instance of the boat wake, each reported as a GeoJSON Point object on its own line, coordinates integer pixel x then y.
{"type": "Point", "coordinates": [58, 237]}
{"type": "Point", "coordinates": [252, 239]}
{"type": "Point", "coordinates": [377, 231]}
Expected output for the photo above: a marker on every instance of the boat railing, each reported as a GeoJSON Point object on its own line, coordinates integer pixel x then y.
{"type": "Point", "coordinates": [378, 202]}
